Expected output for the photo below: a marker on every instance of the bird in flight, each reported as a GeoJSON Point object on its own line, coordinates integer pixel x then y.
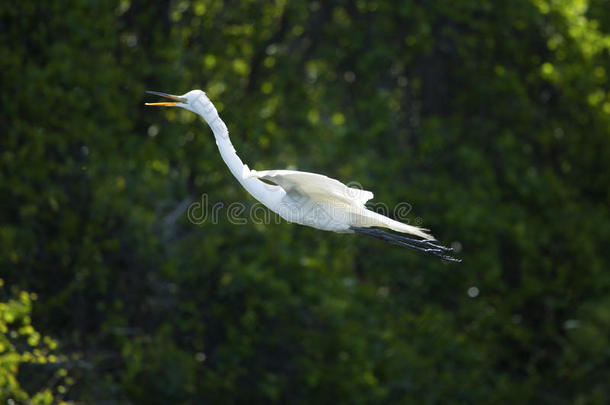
{"type": "Point", "coordinates": [307, 198]}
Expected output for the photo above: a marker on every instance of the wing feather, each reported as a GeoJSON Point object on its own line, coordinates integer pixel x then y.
{"type": "Point", "coordinates": [315, 185]}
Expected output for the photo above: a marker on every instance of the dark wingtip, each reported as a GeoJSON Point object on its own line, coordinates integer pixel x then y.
{"type": "Point", "coordinates": [436, 245]}
{"type": "Point", "coordinates": [430, 247]}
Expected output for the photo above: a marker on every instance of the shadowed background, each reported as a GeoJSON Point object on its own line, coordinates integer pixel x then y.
{"type": "Point", "coordinates": [490, 119]}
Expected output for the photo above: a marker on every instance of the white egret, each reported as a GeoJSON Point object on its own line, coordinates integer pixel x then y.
{"type": "Point", "coordinates": [306, 198]}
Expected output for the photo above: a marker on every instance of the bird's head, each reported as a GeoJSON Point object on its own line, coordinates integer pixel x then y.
{"type": "Point", "coordinates": [186, 101]}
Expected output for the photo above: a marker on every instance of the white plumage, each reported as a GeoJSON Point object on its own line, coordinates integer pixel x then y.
{"type": "Point", "coordinates": [339, 207]}
{"type": "Point", "coordinates": [315, 185]}
{"type": "Point", "coordinates": [306, 198]}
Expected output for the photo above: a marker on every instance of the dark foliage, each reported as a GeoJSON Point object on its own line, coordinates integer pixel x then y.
{"type": "Point", "coordinates": [490, 119]}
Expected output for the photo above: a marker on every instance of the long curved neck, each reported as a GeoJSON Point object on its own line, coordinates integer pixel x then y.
{"type": "Point", "coordinates": [265, 193]}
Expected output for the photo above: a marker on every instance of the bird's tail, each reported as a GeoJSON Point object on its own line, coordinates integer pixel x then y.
{"type": "Point", "coordinates": [405, 228]}
{"type": "Point", "coordinates": [368, 218]}
{"type": "Point", "coordinates": [428, 246]}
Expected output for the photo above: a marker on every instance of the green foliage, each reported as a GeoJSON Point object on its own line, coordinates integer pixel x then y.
{"type": "Point", "coordinates": [489, 118]}
{"type": "Point", "coordinates": [21, 345]}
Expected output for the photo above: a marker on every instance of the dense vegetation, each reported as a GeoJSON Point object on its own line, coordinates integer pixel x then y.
{"type": "Point", "coordinates": [491, 119]}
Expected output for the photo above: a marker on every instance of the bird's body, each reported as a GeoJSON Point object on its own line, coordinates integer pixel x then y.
{"type": "Point", "coordinates": [306, 198]}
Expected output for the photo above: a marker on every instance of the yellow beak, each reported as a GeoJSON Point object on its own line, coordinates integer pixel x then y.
{"type": "Point", "coordinates": [177, 99]}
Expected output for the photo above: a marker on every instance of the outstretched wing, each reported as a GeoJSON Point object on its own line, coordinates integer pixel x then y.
{"type": "Point", "coordinates": [314, 185]}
